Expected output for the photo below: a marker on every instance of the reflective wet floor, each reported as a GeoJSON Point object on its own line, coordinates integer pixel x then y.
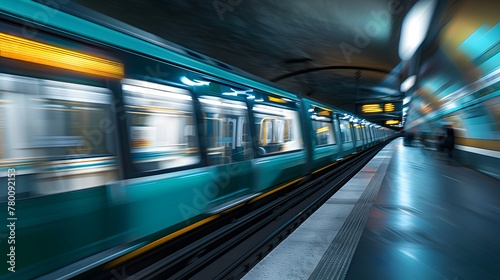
{"type": "Point", "coordinates": [429, 218]}
{"type": "Point", "coordinates": [432, 219]}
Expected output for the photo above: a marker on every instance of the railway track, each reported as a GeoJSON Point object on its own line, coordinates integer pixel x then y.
{"type": "Point", "coordinates": [230, 245]}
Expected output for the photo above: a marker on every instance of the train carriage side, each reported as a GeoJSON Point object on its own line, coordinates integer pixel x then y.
{"type": "Point", "coordinates": [345, 129]}
{"type": "Point", "coordinates": [366, 129]}
{"type": "Point", "coordinates": [132, 145]}
{"type": "Point", "coordinates": [325, 145]}
{"type": "Point", "coordinates": [360, 137]}
{"type": "Point", "coordinates": [61, 143]}
{"type": "Point", "coordinates": [282, 147]}
{"type": "Point", "coordinates": [370, 134]}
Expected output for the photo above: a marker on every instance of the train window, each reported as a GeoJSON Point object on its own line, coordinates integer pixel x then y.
{"type": "Point", "coordinates": [278, 129]}
{"type": "Point", "coordinates": [161, 126]}
{"type": "Point", "coordinates": [345, 130]}
{"type": "Point", "coordinates": [64, 121]}
{"type": "Point", "coordinates": [73, 127]}
{"type": "Point", "coordinates": [367, 133]}
{"type": "Point", "coordinates": [324, 133]}
{"type": "Point", "coordinates": [226, 127]}
{"type": "Point", "coordinates": [363, 132]}
{"type": "Point", "coordinates": [358, 132]}
{"type": "Point", "coordinates": [322, 126]}
{"type": "Point", "coordinates": [60, 134]}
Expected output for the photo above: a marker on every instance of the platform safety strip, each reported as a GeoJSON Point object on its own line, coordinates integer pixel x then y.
{"type": "Point", "coordinates": [335, 262]}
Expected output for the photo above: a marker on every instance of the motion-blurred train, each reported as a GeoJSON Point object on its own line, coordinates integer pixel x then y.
{"type": "Point", "coordinates": [109, 136]}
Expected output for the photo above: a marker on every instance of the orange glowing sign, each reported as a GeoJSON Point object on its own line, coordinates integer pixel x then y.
{"type": "Point", "coordinates": [391, 122]}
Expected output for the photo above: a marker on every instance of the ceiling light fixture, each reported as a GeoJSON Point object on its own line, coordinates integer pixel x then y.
{"type": "Point", "coordinates": [408, 83]}
{"type": "Point", "coordinates": [415, 26]}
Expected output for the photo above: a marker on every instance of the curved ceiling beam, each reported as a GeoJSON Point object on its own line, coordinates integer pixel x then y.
{"type": "Point", "coordinates": [337, 67]}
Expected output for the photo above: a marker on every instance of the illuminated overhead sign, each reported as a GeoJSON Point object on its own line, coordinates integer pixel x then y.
{"type": "Point", "coordinates": [389, 107]}
{"type": "Point", "coordinates": [391, 122]}
{"type": "Point", "coordinates": [372, 108]}
{"type": "Point", "coordinates": [379, 108]}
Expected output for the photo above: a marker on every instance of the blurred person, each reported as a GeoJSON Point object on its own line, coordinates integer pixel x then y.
{"type": "Point", "coordinates": [449, 141]}
{"type": "Point", "coordinates": [408, 140]}
{"type": "Point", "coordinates": [440, 137]}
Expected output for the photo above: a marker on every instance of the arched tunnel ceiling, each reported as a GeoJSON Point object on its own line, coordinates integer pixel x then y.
{"type": "Point", "coordinates": [353, 45]}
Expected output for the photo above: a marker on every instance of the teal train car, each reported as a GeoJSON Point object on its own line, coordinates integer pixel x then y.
{"type": "Point", "coordinates": [109, 137]}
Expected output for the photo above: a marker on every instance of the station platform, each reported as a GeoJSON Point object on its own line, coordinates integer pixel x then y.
{"type": "Point", "coordinates": [410, 213]}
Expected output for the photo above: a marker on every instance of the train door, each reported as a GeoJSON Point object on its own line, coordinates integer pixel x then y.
{"type": "Point", "coordinates": [369, 135]}
{"type": "Point", "coordinates": [366, 138]}
{"type": "Point", "coordinates": [281, 153]}
{"type": "Point", "coordinates": [359, 136]}
{"type": "Point", "coordinates": [372, 134]}
{"type": "Point", "coordinates": [346, 134]}
{"type": "Point", "coordinates": [325, 148]}
{"type": "Point", "coordinates": [229, 150]}
{"type": "Point", "coordinates": [166, 183]}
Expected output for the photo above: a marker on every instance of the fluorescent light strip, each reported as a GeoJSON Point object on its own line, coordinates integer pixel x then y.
{"type": "Point", "coordinates": [155, 92]}
{"type": "Point", "coordinates": [30, 51]}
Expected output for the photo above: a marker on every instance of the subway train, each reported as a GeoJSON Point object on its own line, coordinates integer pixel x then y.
{"type": "Point", "coordinates": [109, 136]}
